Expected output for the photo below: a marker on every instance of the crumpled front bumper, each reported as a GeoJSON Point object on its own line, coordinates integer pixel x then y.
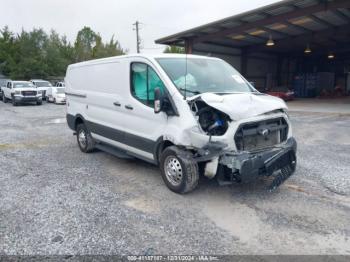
{"type": "Point", "coordinates": [279, 162]}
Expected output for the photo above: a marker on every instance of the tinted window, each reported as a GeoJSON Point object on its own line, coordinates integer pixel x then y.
{"type": "Point", "coordinates": [143, 82]}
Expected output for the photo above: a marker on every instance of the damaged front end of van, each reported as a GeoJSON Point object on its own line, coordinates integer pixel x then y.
{"type": "Point", "coordinates": [243, 137]}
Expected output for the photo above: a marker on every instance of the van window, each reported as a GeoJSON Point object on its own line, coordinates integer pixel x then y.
{"type": "Point", "coordinates": [143, 82]}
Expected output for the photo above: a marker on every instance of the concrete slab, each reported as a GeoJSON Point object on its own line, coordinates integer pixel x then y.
{"type": "Point", "coordinates": [320, 105]}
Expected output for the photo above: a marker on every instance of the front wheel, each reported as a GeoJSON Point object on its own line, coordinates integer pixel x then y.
{"type": "Point", "coordinates": [179, 170]}
{"type": "Point", "coordinates": [4, 99]}
{"type": "Point", "coordinates": [85, 141]}
{"type": "Point", "coordinates": [14, 103]}
{"type": "Point", "coordinates": [39, 103]}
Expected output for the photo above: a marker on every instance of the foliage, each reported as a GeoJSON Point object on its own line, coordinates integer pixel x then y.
{"type": "Point", "coordinates": [174, 49]}
{"type": "Point", "coordinates": [36, 54]}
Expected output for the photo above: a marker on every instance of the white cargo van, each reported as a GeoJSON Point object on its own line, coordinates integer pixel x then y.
{"type": "Point", "coordinates": [191, 115]}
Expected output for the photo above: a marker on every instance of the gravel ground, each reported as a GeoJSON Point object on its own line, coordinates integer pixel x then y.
{"type": "Point", "coordinates": [56, 200]}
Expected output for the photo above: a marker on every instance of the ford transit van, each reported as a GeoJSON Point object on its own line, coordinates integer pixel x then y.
{"type": "Point", "coordinates": [190, 115]}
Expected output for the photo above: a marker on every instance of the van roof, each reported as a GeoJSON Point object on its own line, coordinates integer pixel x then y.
{"type": "Point", "coordinates": [147, 56]}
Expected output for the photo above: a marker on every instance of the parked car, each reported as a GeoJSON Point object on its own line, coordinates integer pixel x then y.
{"type": "Point", "coordinates": [3, 82]}
{"type": "Point", "coordinates": [282, 92]}
{"type": "Point", "coordinates": [21, 92]}
{"type": "Point", "coordinates": [56, 94]}
{"type": "Point", "coordinates": [191, 115]}
{"type": "Point", "coordinates": [41, 85]}
{"type": "Point", "coordinates": [60, 84]}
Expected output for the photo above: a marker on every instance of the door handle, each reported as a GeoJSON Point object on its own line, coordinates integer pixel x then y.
{"type": "Point", "coordinates": [129, 107]}
{"type": "Point", "coordinates": [116, 103]}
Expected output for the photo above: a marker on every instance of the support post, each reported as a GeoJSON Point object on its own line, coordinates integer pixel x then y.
{"type": "Point", "coordinates": [189, 46]}
{"type": "Point", "coordinates": [244, 62]}
{"type": "Point", "coordinates": [279, 69]}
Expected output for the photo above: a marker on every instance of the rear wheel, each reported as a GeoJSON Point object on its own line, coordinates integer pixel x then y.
{"type": "Point", "coordinates": [85, 141]}
{"type": "Point", "coordinates": [39, 103]}
{"type": "Point", "coordinates": [4, 99]}
{"type": "Point", "coordinates": [179, 170]}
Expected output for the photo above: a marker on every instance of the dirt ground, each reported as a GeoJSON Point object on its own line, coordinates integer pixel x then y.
{"type": "Point", "coordinates": [56, 200]}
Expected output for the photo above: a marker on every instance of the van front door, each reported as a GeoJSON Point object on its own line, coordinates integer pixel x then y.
{"type": "Point", "coordinates": [142, 126]}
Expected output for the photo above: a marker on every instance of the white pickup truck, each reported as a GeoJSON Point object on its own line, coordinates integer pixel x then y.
{"type": "Point", "coordinates": [3, 82]}
{"type": "Point", "coordinates": [21, 92]}
{"type": "Point", "coordinates": [41, 85]}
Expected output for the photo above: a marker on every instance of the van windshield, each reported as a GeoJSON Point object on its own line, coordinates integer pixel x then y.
{"type": "Point", "coordinates": [204, 75]}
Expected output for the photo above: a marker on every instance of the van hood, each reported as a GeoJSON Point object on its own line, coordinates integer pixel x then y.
{"type": "Point", "coordinates": [242, 105]}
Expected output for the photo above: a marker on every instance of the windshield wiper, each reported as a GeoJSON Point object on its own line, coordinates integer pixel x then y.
{"type": "Point", "coordinates": [190, 91]}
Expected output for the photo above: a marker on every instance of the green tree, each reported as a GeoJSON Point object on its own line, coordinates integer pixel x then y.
{"type": "Point", "coordinates": [54, 59]}
{"type": "Point", "coordinates": [113, 48]}
{"type": "Point", "coordinates": [7, 51]}
{"type": "Point", "coordinates": [174, 50]}
{"type": "Point", "coordinates": [35, 54]}
{"type": "Point", "coordinates": [30, 55]}
{"type": "Point", "coordinates": [85, 42]}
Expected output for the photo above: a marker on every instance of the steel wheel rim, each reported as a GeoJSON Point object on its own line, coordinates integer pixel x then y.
{"type": "Point", "coordinates": [82, 138]}
{"type": "Point", "coordinates": [173, 170]}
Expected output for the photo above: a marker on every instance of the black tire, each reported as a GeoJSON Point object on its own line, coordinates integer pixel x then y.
{"type": "Point", "coordinates": [14, 103]}
{"type": "Point", "coordinates": [54, 100]}
{"type": "Point", "coordinates": [39, 103]}
{"type": "Point", "coordinates": [4, 99]}
{"type": "Point", "coordinates": [174, 159]}
{"type": "Point", "coordinates": [83, 134]}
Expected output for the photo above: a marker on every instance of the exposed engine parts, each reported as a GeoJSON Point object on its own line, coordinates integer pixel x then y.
{"type": "Point", "coordinates": [211, 120]}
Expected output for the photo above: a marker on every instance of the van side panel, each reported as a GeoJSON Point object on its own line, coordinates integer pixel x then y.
{"type": "Point", "coordinates": [93, 89]}
{"type": "Point", "coordinates": [99, 92]}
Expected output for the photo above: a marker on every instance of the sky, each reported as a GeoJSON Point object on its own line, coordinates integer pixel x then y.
{"type": "Point", "coordinates": [158, 18]}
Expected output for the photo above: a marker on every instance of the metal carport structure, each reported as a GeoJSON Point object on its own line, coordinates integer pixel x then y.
{"type": "Point", "coordinates": [308, 35]}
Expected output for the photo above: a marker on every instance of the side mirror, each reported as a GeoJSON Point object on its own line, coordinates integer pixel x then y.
{"type": "Point", "coordinates": [157, 100]}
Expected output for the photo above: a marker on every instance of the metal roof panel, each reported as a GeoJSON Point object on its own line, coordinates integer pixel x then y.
{"type": "Point", "coordinates": [279, 10]}
{"type": "Point", "coordinates": [253, 16]}
{"type": "Point", "coordinates": [331, 17]}
{"type": "Point", "coordinates": [305, 3]}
